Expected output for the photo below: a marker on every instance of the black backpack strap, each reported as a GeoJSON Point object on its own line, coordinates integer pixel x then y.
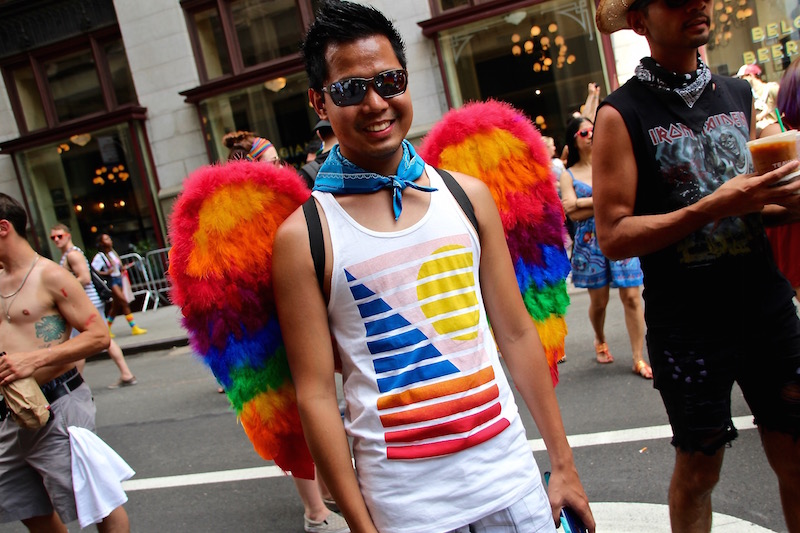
{"type": "Point", "coordinates": [315, 239]}
{"type": "Point", "coordinates": [461, 197]}
{"type": "Point", "coordinates": [309, 172]}
{"type": "Point", "coordinates": [317, 244]}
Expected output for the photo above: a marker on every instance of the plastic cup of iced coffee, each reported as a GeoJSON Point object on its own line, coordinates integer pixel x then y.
{"type": "Point", "coordinates": [775, 151]}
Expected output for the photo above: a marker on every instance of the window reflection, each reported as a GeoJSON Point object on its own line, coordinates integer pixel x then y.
{"type": "Point", "coordinates": [212, 43]}
{"type": "Point", "coordinates": [120, 73]}
{"type": "Point", "coordinates": [539, 59]}
{"type": "Point", "coordinates": [74, 85]}
{"type": "Point", "coordinates": [29, 98]}
{"type": "Point", "coordinates": [90, 182]}
{"type": "Point", "coordinates": [266, 30]}
{"type": "Point", "coordinates": [445, 5]}
{"type": "Point", "coordinates": [762, 32]}
{"type": "Point", "coordinates": [277, 109]}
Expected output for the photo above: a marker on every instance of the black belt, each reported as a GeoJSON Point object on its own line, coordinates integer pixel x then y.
{"type": "Point", "coordinates": [63, 384]}
{"type": "Point", "coordinates": [53, 389]}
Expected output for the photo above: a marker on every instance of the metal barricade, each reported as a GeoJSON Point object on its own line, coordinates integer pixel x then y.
{"type": "Point", "coordinates": [139, 278]}
{"type": "Point", "coordinates": [158, 268]}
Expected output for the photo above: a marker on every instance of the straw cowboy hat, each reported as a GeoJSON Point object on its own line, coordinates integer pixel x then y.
{"type": "Point", "coordinates": [612, 15]}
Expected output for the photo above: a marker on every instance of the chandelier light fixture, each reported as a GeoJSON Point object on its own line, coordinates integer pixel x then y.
{"type": "Point", "coordinates": [548, 47]}
{"type": "Point", "coordinates": [727, 15]}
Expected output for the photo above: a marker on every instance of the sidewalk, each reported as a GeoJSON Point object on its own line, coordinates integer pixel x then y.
{"type": "Point", "coordinates": [163, 327]}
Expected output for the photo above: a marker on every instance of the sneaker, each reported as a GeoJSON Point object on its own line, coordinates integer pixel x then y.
{"type": "Point", "coordinates": [333, 524]}
{"type": "Point", "coordinates": [136, 330]}
{"type": "Point", "coordinates": [124, 383]}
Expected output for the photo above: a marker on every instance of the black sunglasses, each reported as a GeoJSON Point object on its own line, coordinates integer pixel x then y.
{"type": "Point", "coordinates": [57, 237]}
{"type": "Point", "coordinates": [351, 91]}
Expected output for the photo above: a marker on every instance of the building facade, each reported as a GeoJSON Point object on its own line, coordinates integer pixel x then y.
{"type": "Point", "coordinates": [107, 105]}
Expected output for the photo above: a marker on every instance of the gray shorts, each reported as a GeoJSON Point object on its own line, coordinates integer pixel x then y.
{"type": "Point", "coordinates": [530, 513]}
{"type": "Point", "coordinates": [36, 465]}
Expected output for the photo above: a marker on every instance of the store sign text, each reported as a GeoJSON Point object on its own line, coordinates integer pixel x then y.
{"type": "Point", "coordinates": [776, 51]}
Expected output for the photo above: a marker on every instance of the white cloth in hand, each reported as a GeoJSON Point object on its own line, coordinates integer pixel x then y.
{"type": "Point", "coordinates": [97, 476]}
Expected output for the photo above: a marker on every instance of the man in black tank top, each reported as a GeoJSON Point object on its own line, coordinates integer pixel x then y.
{"type": "Point", "coordinates": [673, 185]}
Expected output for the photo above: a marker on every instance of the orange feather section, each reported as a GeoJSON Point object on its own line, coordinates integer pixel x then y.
{"type": "Point", "coordinates": [271, 421]}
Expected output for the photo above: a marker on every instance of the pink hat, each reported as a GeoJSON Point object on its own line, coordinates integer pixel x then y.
{"type": "Point", "coordinates": [751, 70]}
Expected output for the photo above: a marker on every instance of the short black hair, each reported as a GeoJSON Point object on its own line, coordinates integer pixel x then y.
{"type": "Point", "coordinates": [12, 210]}
{"type": "Point", "coordinates": [340, 22]}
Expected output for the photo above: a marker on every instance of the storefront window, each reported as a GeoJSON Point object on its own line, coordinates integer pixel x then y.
{"type": "Point", "coordinates": [93, 183]}
{"type": "Point", "coordinates": [539, 59]}
{"type": "Point", "coordinates": [762, 32]}
{"type": "Point", "coordinates": [29, 98]}
{"type": "Point", "coordinates": [212, 43]}
{"type": "Point", "coordinates": [277, 109]}
{"type": "Point", "coordinates": [120, 73]}
{"type": "Point", "coordinates": [74, 85]}
{"type": "Point", "coordinates": [266, 30]}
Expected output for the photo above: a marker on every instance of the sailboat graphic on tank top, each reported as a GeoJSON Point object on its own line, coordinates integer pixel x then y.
{"type": "Point", "coordinates": [421, 314]}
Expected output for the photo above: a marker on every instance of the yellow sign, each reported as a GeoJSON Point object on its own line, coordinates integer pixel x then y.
{"type": "Point", "coordinates": [774, 52]}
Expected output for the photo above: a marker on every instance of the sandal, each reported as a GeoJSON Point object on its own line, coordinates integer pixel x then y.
{"type": "Point", "coordinates": [124, 383]}
{"type": "Point", "coordinates": [603, 355]}
{"type": "Point", "coordinates": [642, 369]}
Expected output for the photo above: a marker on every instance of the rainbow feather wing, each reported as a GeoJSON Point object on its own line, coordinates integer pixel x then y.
{"type": "Point", "coordinates": [223, 227]}
{"type": "Point", "coordinates": [497, 144]}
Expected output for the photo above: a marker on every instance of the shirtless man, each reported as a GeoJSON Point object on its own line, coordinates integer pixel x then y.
{"type": "Point", "coordinates": [41, 303]}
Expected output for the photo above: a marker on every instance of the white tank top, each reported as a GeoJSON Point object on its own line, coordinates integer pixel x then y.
{"type": "Point", "coordinates": [437, 438]}
{"type": "Point", "coordinates": [89, 288]}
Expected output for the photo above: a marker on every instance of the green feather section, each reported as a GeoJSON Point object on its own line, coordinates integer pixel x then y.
{"type": "Point", "coordinates": [249, 382]}
{"type": "Point", "coordinates": [552, 300]}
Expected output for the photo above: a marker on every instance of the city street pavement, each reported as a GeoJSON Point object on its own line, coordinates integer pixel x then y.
{"type": "Point", "coordinates": [197, 472]}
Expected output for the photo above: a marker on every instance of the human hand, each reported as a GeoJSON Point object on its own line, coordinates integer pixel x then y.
{"type": "Point", "coordinates": [749, 193]}
{"type": "Point", "coordinates": [15, 366]}
{"type": "Point", "coordinates": [565, 490]}
{"type": "Point", "coordinates": [594, 89]}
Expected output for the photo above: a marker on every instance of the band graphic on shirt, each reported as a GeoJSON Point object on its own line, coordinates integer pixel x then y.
{"type": "Point", "coordinates": [695, 164]}
{"type": "Point", "coordinates": [421, 315]}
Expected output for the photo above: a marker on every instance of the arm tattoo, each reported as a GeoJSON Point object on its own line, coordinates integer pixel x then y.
{"type": "Point", "coordinates": [51, 328]}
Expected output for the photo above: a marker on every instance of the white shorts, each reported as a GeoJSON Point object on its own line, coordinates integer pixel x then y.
{"type": "Point", "coordinates": [529, 514]}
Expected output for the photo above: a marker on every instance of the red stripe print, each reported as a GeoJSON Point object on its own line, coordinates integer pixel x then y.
{"type": "Point", "coordinates": [441, 410]}
{"type": "Point", "coordinates": [459, 425]}
{"type": "Point", "coordinates": [434, 449]}
{"type": "Point", "coordinates": [437, 390]}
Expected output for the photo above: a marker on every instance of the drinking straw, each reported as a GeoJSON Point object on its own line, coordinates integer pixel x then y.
{"type": "Point", "coordinates": [780, 122]}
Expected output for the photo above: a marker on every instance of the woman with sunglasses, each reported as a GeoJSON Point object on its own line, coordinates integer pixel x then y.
{"type": "Point", "coordinates": [590, 269]}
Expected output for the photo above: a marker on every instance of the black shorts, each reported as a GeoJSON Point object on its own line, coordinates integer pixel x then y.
{"type": "Point", "coordinates": [694, 369]}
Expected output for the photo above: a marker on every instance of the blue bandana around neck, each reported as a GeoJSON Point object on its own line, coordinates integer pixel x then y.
{"type": "Point", "coordinates": [338, 175]}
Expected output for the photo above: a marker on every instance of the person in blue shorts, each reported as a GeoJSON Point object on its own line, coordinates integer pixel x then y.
{"type": "Point", "coordinates": [590, 268]}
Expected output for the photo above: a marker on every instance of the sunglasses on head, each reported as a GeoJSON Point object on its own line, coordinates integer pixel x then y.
{"type": "Point", "coordinates": [585, 133]}
{"type": "Point", "coordinates": [57, 237]}
{"type": "Point", "coordinates": [351, 91]}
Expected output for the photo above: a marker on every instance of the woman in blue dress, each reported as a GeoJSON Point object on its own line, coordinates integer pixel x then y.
{"type": "Point", "coordinates": [590, 269]}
